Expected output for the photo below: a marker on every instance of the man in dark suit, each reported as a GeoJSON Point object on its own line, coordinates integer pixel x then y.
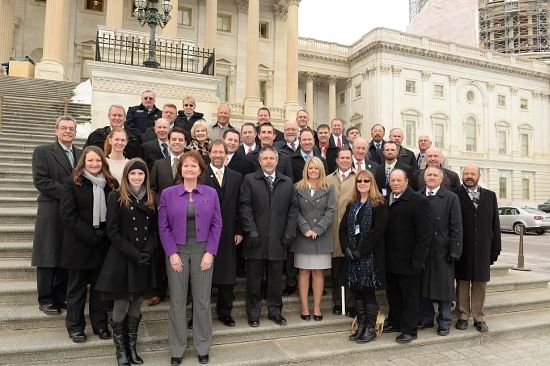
{"type": "Point", "coordinates": [289, 145]}
{"type": "Point", "coordinates": [424, 143]}
{"type": "Point", "coordinates": [337, 138]}
{"type": "Point", "coordinates": [404, 155]}
{"type": "Point", "coordinates": [187, 117]}
{"type": "Point", "coordinates": [169, 112]}
{"type": "Point", "coordinates": [236, 160]}
{"type": "Point", "coordinates": [326, 150]}
{"type": "Point", "coordinates": [248, 136]}
{"type": "Point", "coordinates": [389, 163]}
{"type": "Point", "coordinates": [156, 149]}
{"type": "Point", "coordinates": [51, 165]}
{"type": "Point", "coordinates": [227, 183]}
{"type": "Point", "coordinates": [376, 146]}
{"type": "Point", "coordinates": [268, 214]}
{"type": "Point", "coordinates": [164, 174]}
{"type": "Point", "coordinates": [140, 117]}
{"type": "Point", "coordinates": [267, 136]}
{"type": "Point", "coordinates": [481, 248]}
{"type": "Point", "coordinates": [434, 157]}
{"type": "Point", "coordinates": [302, 120]}
{"type": "Point", "coordinates": [360, 157]}
{"type": "Point", "coordinates": [264, 116]}
{"type": "Point", "coordinates": [407, 239]}
{"type": "Point", "coordinates": [305, 151]}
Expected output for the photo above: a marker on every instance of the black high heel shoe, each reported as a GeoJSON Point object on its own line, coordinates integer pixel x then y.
{"type": "Point", "coordinates": [318, 317]}
{"type": "Point", "coordinates": [305, 316]}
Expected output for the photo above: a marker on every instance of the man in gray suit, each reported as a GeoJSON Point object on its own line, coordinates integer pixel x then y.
{"type": "Point", "coordinates": [51, 164]}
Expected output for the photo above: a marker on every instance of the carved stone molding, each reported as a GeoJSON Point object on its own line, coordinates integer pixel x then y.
{"type": "Point", "coordinates": [280, 10]}
{"type": "Point", "coordinates": [491, 87]}
{"type": "Point", "coordinates": [293, 2]}
{"type": "Point", "coordinates": [365, 74]}
{"type": "Point", "coordinates": [309, 76]}
{"type": "Point", "coordinates": [426, 75]}
{"type": "Point", "coordinates": [372, 71]}
{"type": "Point", "coordinates": [453, 80]}
{"type": "Point", "coordinates": [242, 6]}
{"type": "Point", "coordinates": [513, 91]}
{"type": "Point", "coordinates": [332, 80]}
{"type": "Point", "coordinates": [396, 71]}
{"type": "Point", "coordinates": [537, 95]}
{"type": "Point", "coordinates": [385, 69]}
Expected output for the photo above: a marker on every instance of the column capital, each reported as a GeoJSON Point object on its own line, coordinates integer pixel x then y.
{"type": "Point", "coordinates": [280, 10]}
{"type": "Point", "coordinates": [396, 71]}
{"type": "Point", "coordinates": [332, 79]}
{"type": "Point", "coordinates": [293, 2]}
{"type": "Point", "coordinates": [242, 6]}
{"type": "Point", "coordinates": [453, 80]}
{"type": "Point", "coordinates": [491, 87]}
{"type": "Point", "coordinates": [513, 91]}
{"type": "Point", "coordinates": [309, 75]}
{"type": "Point", "coordinates": [426, 75]}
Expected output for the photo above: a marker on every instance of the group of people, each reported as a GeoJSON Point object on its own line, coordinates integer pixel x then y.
{"type": "Point", "coordinates": [161, 202]}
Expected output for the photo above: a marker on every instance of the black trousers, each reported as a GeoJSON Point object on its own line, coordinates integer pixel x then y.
{"type": "Point", "coordinates": [404, 300]}
{"type": "Point", "coordinates": [159, 259]}
{"type": "Point", "coordinates": [254, 272]}
{"type": "Point", "coordinates": [77, 287]}
{"type": "Point", "coordinates": [339, 275]}
{"type": "Point", "coordinates": [290, 271]}
{"type": "Point", "coordinates": [51, 285]}
{"type": "Point", "coordinates": [224, 303]}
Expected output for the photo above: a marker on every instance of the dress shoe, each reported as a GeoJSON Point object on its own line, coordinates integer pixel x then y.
{"type": "Point", "coordinates": [461, 324]}
{"type": "Point", "coordinates": [254, 323]}
{"type": "Point", "coordinates": [481, 327]}
{"type": "Point", "coordinates": [388, 328]}
{"type": "Point", "coordinates": [305, 316]}
{"type": "Point", "coordinates": [277, 319]}
{"type": "Point", "coordinates": [350, 313]}
{"type": "Point", "coordinates": [443, 331]}
{"type": "Point", "coordinates": [62, 306]}
{"type": "Point", "coordinates": [203, 359]}
{"type": "Point", "coordinates": [423, 326]}
{"type": "Point", "coordinates": [289, 290]}
{"type": "Point", "coordinates": [318, 317]}
{"type": "Point", "coordinates": [49, 309]}
{"type": "Point", "coordinates": [154, 300]}
{"type": "Point", "coordinates": [190, 323]}
{"type": "Point", "coordinates": [78, 337]}
{"type": "Point", "coordinates": [103, 333]}
{"type": "Point", "coordinates": [337, 310]}
{"type": "Point", "coordinates": [405, 338]}
{"type": "Point", "coordinates": [175, 361]}
{"type": "Point", "coordinates": [228, 321]}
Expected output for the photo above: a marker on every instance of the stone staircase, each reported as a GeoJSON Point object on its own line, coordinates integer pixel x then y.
{"type": "Point", "coordinates": [518, 303]}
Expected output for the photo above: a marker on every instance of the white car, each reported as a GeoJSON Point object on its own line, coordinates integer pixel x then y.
{"type": "Point", "coordinates": [512, 218]}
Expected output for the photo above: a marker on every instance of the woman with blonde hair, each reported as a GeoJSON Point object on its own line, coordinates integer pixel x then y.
{"type": "Point", "coordinates": [200, 140]}
{"type": "Point", "coordinates": [115, 143]}
{"type": "Point", "coordinates": [313, 245]}
{"type": "Point", "coordinates": [362, 238]}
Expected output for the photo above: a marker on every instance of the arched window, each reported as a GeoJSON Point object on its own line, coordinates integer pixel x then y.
{"type": "Point", "coordinates": [470, 134]}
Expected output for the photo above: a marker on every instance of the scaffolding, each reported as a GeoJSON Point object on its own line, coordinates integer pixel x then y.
{"type": "Point", "coordinates": [415, 6]}
{"type": "Point", "coordinates": [514, 26]}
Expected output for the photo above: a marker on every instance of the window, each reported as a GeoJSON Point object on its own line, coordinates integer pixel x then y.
{"type": "Point", "coordinates": [524, 141]}
{"type": "Point", "coordinates": [439, 91]}
{"type": "Point", "coordinates": [470, 134]}
{"type": "Point", "coordinates": [410, 86]}
{"type": "Point", "coordinates": [264, 30]}
{"type": "Point", "coordinates": [502, 189]}
{"type": "Point", "coordinates": [470, 96]}
{"type": "Point", "coordinates": [95, 5]}
{"type": "Point", "coordinates": [224, 23]}
{"type": "Point", "coordinates": [184, 16]}
{"type": "Point", "coordinates": [439, 135]}
{"type": "Point", "coordinates": [501, 100]}
{"type": "Point", "coordinates": [342, 98]}
{"type": "Point", "coordinates": [501, 138]}
{"type": "Point", "coordinates": [410, 132]}
{"type": "Point", "coordinates": [357, 91]}
{"type": "Point", "coordinates": [525, 189]}
{"type": "Point", "coordinates": [263, 91]}
{"type": "Point", "coordinates": [524, 104]}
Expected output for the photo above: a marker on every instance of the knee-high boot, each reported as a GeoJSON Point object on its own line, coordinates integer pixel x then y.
{"type": "Point", "coordinates": [359, 305]}
{"type": "Point", "coordinates": [119, 338]}
{"type": "Point", "coordinates": [133, 325]}
{"type": "Point", "coordinates": [371, 312]}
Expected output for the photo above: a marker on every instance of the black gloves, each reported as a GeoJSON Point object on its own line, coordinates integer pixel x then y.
{"type": "Point", "coordinates": [452, 258]}
{"type": "Point", "coordinates": [494, 257]}
{"type": "Point", "coordinates": [287, 241]}
{"type": "Point", "coordinates": [253, 240]}
{"type": "Point", "coordinates": [144, 259]}
{"type": "Point", "coordinates": [353, 255]}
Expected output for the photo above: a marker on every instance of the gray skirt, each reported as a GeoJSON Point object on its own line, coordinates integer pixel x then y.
{"type": "Point", "coordinates": [312, 261]}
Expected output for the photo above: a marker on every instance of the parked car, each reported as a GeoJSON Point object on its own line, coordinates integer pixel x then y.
{"type": "Point", "coordinates": [512, 218]}
{"type": "Point", "coordinates": [544, 206]}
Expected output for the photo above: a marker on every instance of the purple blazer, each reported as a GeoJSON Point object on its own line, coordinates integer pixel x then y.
{"type": "Point", "coordinates": [172, 217]}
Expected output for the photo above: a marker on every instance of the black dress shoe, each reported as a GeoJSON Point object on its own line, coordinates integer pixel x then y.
{"type": "Point", "coordinates": [405, 338]}
{"type": "Point", "coordinates": [318, 317]}
{"type": "Point", "coordinates": [337, 310]}
{"type": "Point", "coordinates": [175, 361]}
{"type": "Point", "coordinates": [443, 331]}
{"type": "Point", "coordinates": [277, 319]}
{"type": "Point", "coordinates": [203, 359]}
{"type": "Point", "coordinates": [254, 323]}
{"type": "Point", "coordinates": [422, 326]}
{"type": "Point", "coordinates": [461, 324]}
{"type": "Point", "coordinates": [388, 328]}
{"type": "Point", "coordinates": [228, 321]}
{"type": "Point", "coordinates": [78, 337]}
{"type": "Point", "coordinates": [103, 333]}
{"type": "Point", "coordinates": [350, 313]}
{"type": "Point", "coordinates": [62, 306]}
{"type": "Point", "coordinates": [49, 309]}
{"type": "Point", "coordinates": [305, 316]}
{"type": "Point", "coordinates": [481, 327]}
{"type": "Point", "coordinates": [289, 290]}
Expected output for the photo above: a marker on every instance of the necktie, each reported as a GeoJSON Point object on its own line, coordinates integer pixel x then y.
{"type": "Point", "coordinates": [219, 177]}
{"type": "Point", "coordinates": [378, 146]}
{"type": "Point", "coordinates": [430, 193]}
{"type": "Point", "coordinates": [339, 142]}
{"type": "Point", "coordinates": [249, 150]}
{"type": "Point", "coordinates": [270, 183]}
{"type": "Point", "coordinates": [165, 149]}
{"type": "Point", "coordinates": [70, 156]}
{"type": "Point", "coordinates": [420, 159]}
{"type": "Point", "coordinates": [359, 165]}
{"type": "Point", "coordinates": [174, 166]}
{"type": "Point", "coordinates": [342, 177]}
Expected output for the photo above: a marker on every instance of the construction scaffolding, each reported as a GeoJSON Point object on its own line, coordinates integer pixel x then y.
{"type": "Point", "coordinates": [415, 6]}
{"type": "Point", "coordinates": [514, 26]}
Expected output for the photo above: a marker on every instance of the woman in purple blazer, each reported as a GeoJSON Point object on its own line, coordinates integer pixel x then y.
{"type": "Point", "coordinates": [190, 226]}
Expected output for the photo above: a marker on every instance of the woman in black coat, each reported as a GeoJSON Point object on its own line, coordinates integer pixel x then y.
{"type": "Point", "coordinates": [127, 276]}
{"type": "Point", "coordinates": [362, 238]}
{"type": "Point", "coordinates": [85, 243]}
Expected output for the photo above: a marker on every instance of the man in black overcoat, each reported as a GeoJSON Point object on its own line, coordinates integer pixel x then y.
{"type": "Point", "coordinates": [227, 183]}
{"type": "Point", "coordinates": [140, 117]}
{"type": "Point", "coordinates": [389, 163]}
{"type": "Point", "coordinates": [408, 236]}
{"type": "Point", "coordinates": [51, 165]}
{"type": "Point", "coordinates": [268, 214]}
{"type": "Point", "coordinates": [434, 157]}
{"type": "Point", "coordinates": [157, 148]}
{"type": "Point", "coordinates": [481, 248]}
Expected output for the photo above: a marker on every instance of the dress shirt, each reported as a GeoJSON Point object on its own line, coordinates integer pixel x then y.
{"type": "Point", "coordinates": [434, 191]}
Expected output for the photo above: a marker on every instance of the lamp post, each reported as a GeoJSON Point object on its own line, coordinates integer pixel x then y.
{"type": "Point", "coordinates": [147, 12]}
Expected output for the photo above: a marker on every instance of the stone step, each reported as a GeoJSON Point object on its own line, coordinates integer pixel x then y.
{"type": "Point", "coordinates": [20, 192]}
{"type": "Point", "coordinates": [23, 158]}
{"type": "Point", "coordinates": [21, 249]}
{"type": "Point", "coordinates": [11, 201]}
{"type": "Point", "coordinates": [16, 269]}
{"type": "Point", "coordinates": [298, 343]}
{"type": "Point", "coordinates": [15, 127]}
{"type": "Point", "coordinates": [518, 280]}
{"type": "Point", "coordinates": [26, 139]}
{"type": "Point", "coordinates": [16, 182]}
{"type": "Point", "coordinates": [21, 143]}
{"type": "Point", "coordinates": [16, 174]}
{"type": "Point", "coordinates": [17, 215]}
{"type": "Point", "coordinates": [11, 233]}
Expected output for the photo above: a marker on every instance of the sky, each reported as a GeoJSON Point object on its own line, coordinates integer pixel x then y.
{"type": "Point", "coordinates": [345, 21]}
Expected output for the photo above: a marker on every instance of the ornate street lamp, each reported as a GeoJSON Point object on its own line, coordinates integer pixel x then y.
{"type": "Point", "coordinates": [147, 12]}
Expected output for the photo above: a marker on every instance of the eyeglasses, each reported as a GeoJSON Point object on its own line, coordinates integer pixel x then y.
{"type": "Point", "coordinates": [63, 128]}
{"type": "Point", "coordinates": [148, 98]}
{"type": "Point", "coordinates": [363, 181]}
{"type": "Point", "coordinates": [188, 105]}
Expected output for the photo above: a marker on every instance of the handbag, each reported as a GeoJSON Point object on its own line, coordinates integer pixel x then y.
{"type": "Point", "coordinates": [379, 326]}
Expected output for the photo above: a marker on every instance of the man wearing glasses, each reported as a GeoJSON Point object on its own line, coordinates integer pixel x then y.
{"type": "Point", "coordinates": [140, 117]}
{"type": "Point", "coordinates": [187, 117]}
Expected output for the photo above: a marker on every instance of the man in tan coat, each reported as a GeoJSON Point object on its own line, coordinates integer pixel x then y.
{"type": "Point", "coordinates": [343, 180]}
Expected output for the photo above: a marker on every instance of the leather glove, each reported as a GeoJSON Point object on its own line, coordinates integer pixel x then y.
{"type": "Point", "coordinates": [144, 259]}
{"type": "Point", "coordinates": [352, 255]}
{"type": "Point", "coordinates": [100, 234]}
{"type": "Point", "coordinates": [452, 258]}
{"type": "Point", "coordinates": [253, 240]}
{"type": "Point", "coordinates": [287, 241]}
{"type": "Point", "coordinates": [494, 257]}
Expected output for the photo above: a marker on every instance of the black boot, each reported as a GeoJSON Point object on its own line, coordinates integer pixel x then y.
{"type": "Point", "coordinates": [119, 337]}
{"type": "Point", "coordinates": [371, 312]}
{"type": "Point", "coordinates": [360, 310]}
{"type": "Point", "coordinates": [133, 325]}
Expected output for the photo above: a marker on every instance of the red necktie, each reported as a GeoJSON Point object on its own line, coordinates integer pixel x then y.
{"type": "Point", "coordinates": [339, 142]}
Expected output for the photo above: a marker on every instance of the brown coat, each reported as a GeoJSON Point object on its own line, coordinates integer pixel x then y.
{"type": "Point", "coordinates": [344, 194]}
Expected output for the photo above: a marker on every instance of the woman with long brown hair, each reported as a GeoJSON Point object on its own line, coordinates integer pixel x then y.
{"type": "Point", "coordinates": [115, 143]}
{"type": "Point", "coordinates": [85, 243]}
{"type": "Point", "coordinates": [362, 238]}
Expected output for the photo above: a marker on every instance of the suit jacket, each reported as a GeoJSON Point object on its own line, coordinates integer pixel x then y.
{"type": "Point", "coordinates": [241, 163]}
{"type": "Point", "coordinates": [376, 154]}
{"type": "Point", "coordinates": [284, 166]}
{"type": "Point", "coordinates": [481, 236]}
{"type": "Point", "coordinates": [451, 181]}
{"type": "Point", "coordinates": [298, 163]}
{"type": "Point", "coordinates": [152, 152]}
{"type": "Point", "coordinates": [407, 157]}
{"type": "Point", "coordinates": [50, 167]}
{"type": "Point", "coordinates": [162, 177]}
{"type": "Point", "coordinates": [369, 165]}
{"type": "Point", "coordinates": [332, 143]}
{"type": "Point", "coordinates": [380, 175]}
{"type": "Point", "coordinates": [138, 118]}
{"type": "Point", "coordinates": [225, 263]}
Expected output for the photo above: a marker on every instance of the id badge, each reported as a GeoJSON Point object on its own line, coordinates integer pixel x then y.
{"type": "Point", "coordinates": [384, 192]}
{"type": "Point", "coordinates": [357, 230]}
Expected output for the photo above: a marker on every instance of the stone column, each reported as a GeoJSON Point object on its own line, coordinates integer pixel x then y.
{"type": "Point", "coordinates": [292, 59]}
{"type": "Point", "coordinates": [114, 14]}
{"type": "Point", "coordinates": [52, 65]}
{"type": "Point", "coordinates": [171, 29]}
{"type": "Point", "coordinates": [309, 94]}
{"type": "Point", "coordinates": [211, 24]}
{"type": "Point", "coordinates": [7, 28]}
{"type": "Point", "coordinates": [331, 98]}
{"type": "Point", "coordinates": [251, 101]}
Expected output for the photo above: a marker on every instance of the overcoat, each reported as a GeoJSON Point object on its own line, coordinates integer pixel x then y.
{"type": "Point", "coordinates": [132, 230]}
{"type": "Point", "coordinates": [225, 262]}
{"type": "Point", "coordinates": [408, 234]}
{"type": "Point", "coordinates": [82, 249]}
{"type": "Point", "coordinates": [50, 167]}
{"type": "Point", "coordinates": [138, 118]}
{"type": "Point", "coordinates": [344, 194]}
{"type": "Point", "coordinates": [271, 215]}
{"type": "Point", "coordinates": [438, 278]}
{"type": "Point", "coordinates": [315, 213]}
{"type": "Point", "coordinates": [481, 236]}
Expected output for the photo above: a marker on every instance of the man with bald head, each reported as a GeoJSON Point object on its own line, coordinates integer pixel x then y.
{"type": "Point", "coordinates": [434, 157]}
{"type": "Point", "coordinates": [360, 157]}
{"type": "Point", "coordinates": [222, 124]}
{"type": "Point", "coordinates": [157, 148]}
{"type": "Point", "coordinates": [481, 248]}
{"type": "Point", "coordinates": [404, 155]}
{"type": "Point", "coordinates": [290, 144]}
